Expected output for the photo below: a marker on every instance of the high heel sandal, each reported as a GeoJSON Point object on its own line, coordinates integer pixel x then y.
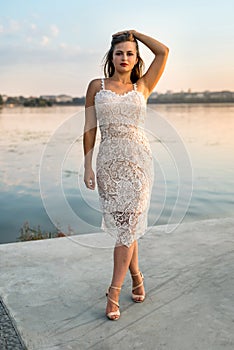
{"type": "Point", "coordinates": [113, 315]}
{"type": "Point", "coordinates": [136, 297]}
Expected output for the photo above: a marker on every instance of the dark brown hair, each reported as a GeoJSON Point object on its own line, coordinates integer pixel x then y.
{"type": "Point", "coordinates": [109, 68]}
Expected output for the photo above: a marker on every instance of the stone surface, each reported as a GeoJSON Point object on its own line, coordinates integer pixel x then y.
{"type": "Point", "coordinates": [9, 337]}
{"type": "Point", "coordinates": [55, 291]}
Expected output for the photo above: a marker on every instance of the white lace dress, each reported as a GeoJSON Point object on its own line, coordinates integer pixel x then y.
{"type": "Point", "coordinates": [124, 164]}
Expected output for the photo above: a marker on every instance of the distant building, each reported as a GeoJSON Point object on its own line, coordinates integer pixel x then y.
{"type": "Point", "coordinates": [63, 99]}
{"type": "Point", "coordinates": [48, 97]}
{"type": "Point", "coordinates": [57, 99]}
{"type": "Point", "coordinates": [4, 98]}
{"type": "Point", "coordinates": [200, 94]}
{"type": "Point", "coordinates": [154, 95]}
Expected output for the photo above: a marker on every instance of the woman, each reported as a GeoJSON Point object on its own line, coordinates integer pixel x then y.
{"type": "Point", "coordinates": [124, 162]}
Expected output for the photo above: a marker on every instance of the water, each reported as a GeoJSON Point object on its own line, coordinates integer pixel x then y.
{"type": "Point", "coordinates": [202, 134]}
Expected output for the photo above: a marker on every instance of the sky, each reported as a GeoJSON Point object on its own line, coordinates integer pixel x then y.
{"type": "Point", "coordinates": [52, 47]}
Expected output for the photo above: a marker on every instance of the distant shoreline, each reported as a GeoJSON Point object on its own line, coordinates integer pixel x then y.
{"type": "Point", "coordinates": [8, 106]}
{"type": "Point", "coordinates": [155, 98]}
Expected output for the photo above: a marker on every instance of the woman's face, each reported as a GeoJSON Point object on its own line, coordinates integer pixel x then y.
{"type": "Point", "coordinates": [124, 56]}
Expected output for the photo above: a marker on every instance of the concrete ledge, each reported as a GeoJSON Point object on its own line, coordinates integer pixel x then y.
{"type": "Point", "coordinates": [55, 291]}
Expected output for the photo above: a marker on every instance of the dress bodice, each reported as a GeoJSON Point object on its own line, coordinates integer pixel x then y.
{"type": "Point", "coordinates": [121, 116]}
{"type": "Point", "coordinates": [121, 121]}
{"type": "Point", "coordinates": [126, 109]}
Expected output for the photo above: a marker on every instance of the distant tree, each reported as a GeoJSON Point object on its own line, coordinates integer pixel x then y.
{"type": "Point", "coordinates": [37, 102]}
{"type": "Point", "coordinates": [78, 100]}
{"type": "Point", "coordinates": [12, 101]}
{"type": "Point", "coordinates": [1, 100]}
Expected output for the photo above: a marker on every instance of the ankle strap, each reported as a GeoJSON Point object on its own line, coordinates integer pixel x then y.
{"type": "Point", "coordinates": [136, 274]}
{"type": "Point", "coordinates": [113, 287]}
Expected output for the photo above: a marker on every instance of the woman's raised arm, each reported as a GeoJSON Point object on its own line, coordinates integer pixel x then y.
{"type": "Point", "coordinates": [154, 72]}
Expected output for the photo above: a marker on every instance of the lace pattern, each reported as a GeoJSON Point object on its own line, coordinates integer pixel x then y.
{"type": "Point", "coordinates": [124, 164]}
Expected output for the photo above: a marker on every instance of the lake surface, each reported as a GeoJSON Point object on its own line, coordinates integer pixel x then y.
{"type": "Point", "coordinates": [41, 167]}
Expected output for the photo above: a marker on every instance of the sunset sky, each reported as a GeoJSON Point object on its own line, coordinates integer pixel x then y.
{"type": "Point", "coordinates": [56, 47]}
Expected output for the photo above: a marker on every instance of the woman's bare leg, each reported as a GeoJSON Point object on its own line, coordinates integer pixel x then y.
{"type": "Point", "coordinates": [122, 258]}
{"type": "Point", "coordinates": [134, 269]}
{"type": "Point", "coordinates": [133, 266]}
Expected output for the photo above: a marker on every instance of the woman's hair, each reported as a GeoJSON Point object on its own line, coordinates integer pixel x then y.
{"type": "Point", "coordinates": [109, 68]}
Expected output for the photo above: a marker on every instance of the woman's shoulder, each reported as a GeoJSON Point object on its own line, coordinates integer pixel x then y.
{"type": "Point", "coordinates": [93, 87]}
{"type": "Point", "coordinates": [95, 84]}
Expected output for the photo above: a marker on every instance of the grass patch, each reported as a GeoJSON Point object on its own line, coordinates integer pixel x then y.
{"type": "Point", "coordinates": [28, 233]}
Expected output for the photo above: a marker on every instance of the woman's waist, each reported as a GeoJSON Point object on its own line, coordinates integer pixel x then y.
{"type": "Point", "coordinates": [122, 132]}
{"type": "Point", "coordinates": [125, 144]}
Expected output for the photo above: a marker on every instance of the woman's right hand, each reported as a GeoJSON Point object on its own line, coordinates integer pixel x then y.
{"type": "Point", "coordinates": [89, 179]}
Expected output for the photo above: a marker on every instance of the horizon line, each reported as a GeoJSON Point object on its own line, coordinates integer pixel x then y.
{"type": "Point", "coordinates": [190, 91]}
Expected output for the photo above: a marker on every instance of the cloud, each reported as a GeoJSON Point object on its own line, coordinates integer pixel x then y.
{"type": "Point", "coordinates": [63, 45]}
{"type": "Point", "coordinates": [14, 26]}
{"type": "Point", "coordinates": [33, 26]}
{"type": "Point", "coordinates": [10, 26]}
{"type": "Point", "coordinates": [39, 54]}
{"type": "Point", "coordinates": [45, 40]}
{"type": "Point", "coordinates": [54, 30]}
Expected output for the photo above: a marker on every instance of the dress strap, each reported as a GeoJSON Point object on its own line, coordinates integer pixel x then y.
{"type": "Point", "coordinates": [103, 83]}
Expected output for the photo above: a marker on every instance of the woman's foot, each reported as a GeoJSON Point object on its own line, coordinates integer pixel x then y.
{"type": "Point", "coordinates": [112, 307]}
{"type": "Point", "coordinates": [138, 290]}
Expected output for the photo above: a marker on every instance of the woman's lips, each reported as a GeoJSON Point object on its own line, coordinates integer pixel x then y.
{"type": "Point", "coordinates": [124, 64]}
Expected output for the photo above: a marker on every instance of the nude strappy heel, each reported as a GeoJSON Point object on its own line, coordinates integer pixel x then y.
{"type": "Point", "coordinates": [138, 298]}
{"type": "Point", "coordinates": [114, 315]}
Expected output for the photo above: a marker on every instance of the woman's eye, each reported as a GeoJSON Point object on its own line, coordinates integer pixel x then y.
{"type": "Point", "coordinates": [120, 53]}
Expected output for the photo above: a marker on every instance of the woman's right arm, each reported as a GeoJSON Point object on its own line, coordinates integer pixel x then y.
{"type": "Point", "coordinates": [90, 129]}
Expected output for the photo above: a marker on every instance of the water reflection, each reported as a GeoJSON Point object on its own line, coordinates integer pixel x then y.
{"type": "Point", "coordinates": [207, 131]}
